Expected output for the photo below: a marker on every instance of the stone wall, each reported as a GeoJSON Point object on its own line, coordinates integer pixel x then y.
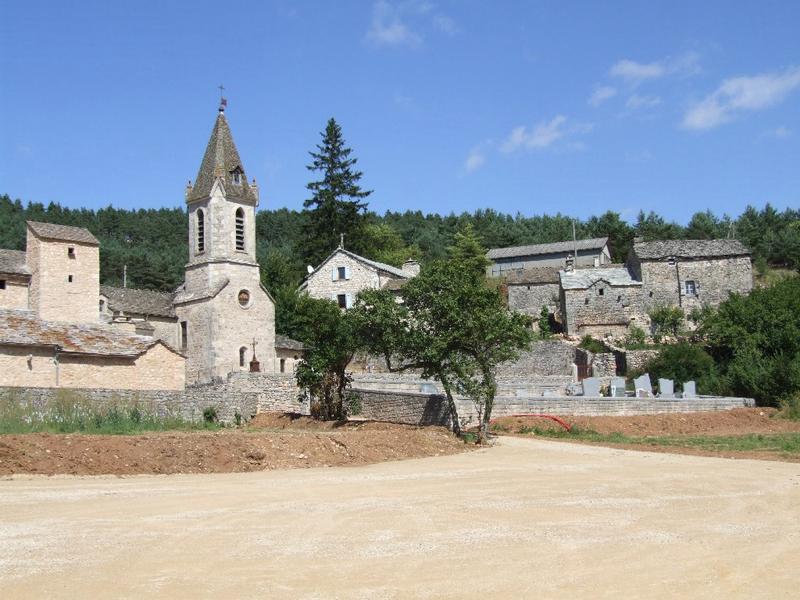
{"type": "Point", "coordinates": [15, 294]}
{"type": "Point", "coordinates": [636, 360]}
{"type": "Point", "coordinates": [602, 309]}
{"type": "Point", "coordinates": [528, 298]}
{"type": "Point", "coordinates": [245, 393]}
{"type": "Point", "coordinates": [546, 357]}
{"type": "Point", "coordinates": [431, 409]}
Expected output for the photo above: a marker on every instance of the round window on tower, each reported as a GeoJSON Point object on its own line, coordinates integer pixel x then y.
{"type": "Point", "coordinates": [244, 298]}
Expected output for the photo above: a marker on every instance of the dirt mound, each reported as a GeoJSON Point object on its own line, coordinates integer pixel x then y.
{"type": "Point", "coordinates": [738, 421]}
{"type": "Point", "coordinates": [297, 446]}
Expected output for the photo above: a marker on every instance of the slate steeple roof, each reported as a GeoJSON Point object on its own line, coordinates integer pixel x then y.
{"type": "Point", "coordinates": [221, 161]}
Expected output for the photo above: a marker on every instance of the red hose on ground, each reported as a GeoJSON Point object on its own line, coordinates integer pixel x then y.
{"type": "Point", "coordinates": [551, 417]}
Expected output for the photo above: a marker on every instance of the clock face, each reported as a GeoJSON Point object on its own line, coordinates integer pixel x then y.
{"type": "Point", "coordinates": [244, 298]}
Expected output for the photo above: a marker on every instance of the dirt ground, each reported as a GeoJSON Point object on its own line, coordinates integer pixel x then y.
{"type": "Point", "coordinates": [269, 442]}
{"type": "Point", "coordinates": [524, 519]}
{"type": "Point", "coordinates": [738, 421]}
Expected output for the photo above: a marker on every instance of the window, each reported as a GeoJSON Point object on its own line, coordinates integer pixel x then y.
{"type": "Point", "coordinates": [671, 261]}
{"type": "Point", "coordinates": [341, 299]}
{"type": "Point", "coordinates": [283, 365]}
{"type": "Point", "coordinates": [102, 305]}
{"type": "Point", "coordinates": [236, 176]}
{"type": "Point", "coordinates": [71, 252]}
{"type": "Point", "coordinates": [184, 335]}
{"type": "Point", "coordinates": [244, 298]}
{"type": "Point", "coordinates": [691, 288]}
{"type": "Point", "coordinates": [600, 291]}
{"type": "Point", "coordinates": [201, 231]}
{"type": "Point", "coordinates": [242, 355]}
{"type": "Point", "coordinates": [239, 229]}
{"type": "Point", "coordinates": [2, 284]}
{"type": "Point", "coordinates": [342, 272]}
{"type": "Point", "coordinates": [69, 278]}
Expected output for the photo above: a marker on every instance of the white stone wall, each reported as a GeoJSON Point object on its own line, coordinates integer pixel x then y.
{"type": "Point", "coordinates": [529, 298]}
{"type": "Point", "coordinates": [15, 294]}
{"type": "Point", "coordinates": [587, 312]}
{"type": "Point", "coordinates": [321, 284]}
{"type": "Point", "coordinates": [53, 296]}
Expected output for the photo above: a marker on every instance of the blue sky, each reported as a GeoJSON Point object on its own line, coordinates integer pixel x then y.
{"type": "Point", "coordinates": [531, 107]}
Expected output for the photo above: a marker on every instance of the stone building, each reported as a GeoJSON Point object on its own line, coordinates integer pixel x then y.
{"type": "Point", "coordinates": [343, 274]}
{"type": "Point", "coordinates": [588, 253]}
{"type": "Point", "coordinates": [15, 279]}
{"type": "Point", "coordinates": [690, 273]}
{"type": "Point", "coordinates": [600, 301]}
{"type": "Point", "coordinates": [531, 289]}
{"type": "Point", "coordinates": [140, 311]}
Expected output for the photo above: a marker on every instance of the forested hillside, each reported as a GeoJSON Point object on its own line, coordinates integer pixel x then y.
{"type": "Point", "coordinates": [153, 243]}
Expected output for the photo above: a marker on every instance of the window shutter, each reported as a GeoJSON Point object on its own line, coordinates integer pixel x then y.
{"type": "Point", "coordinates": [347, 272]}
{"type": "Point", "coordinates": [334, 298]}
{"type": "Point", "coordinates": [333, 274]}
{"type": "Point", "coordinates": [348, 301]}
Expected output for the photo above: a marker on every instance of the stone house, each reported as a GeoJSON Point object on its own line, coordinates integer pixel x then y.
{"type": "Point", "coordinates": [588, 253]}
{"type": "Point", "coordinates": [343, 274]}
{"type": "Point", "coordinates": [530, 289]}
{"type": "Point", "coordinates": [600, 302]}
{"type": "Point", "coordinates": [690, 273]}
{"type": "Point", "coordinates": [15, 279]}
{"type": "Point", "coordinates": [146, 312]}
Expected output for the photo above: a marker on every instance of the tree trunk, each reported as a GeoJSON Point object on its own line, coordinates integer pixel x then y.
{"type": "Point", "coordinates": [451, 405]}
{"type": "Point", "coordinates": [488, 404]}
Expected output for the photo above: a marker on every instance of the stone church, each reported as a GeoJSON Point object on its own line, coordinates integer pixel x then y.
{"type": "Point", "coordinates": [221, 320]}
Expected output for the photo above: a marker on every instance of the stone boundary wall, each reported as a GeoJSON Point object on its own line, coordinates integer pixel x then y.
{"type": "Point", "coordinates": [431, 409]}
{"type": "Point", "coordinates": [507, 385]}
{"type": "Point", "coordinates": [245, 393]}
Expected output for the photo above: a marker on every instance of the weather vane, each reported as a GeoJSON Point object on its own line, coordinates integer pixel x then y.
{"type": "Point", "coordinates": [222, 101]}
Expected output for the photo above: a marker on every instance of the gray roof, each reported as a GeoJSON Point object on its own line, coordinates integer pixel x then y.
{"type": "Point", "coordinates": [142, 302]}
{"type": "Point", "coordinates": [13, 262]}
{"type": "Point", "coordinates": [529, 276]}
{"type": "Point", "coordinates": [537, 249]}
{"type": "Point", "coordinates": [372, 263]}
{"type": "Point", "coordinates": [287, 343]}
{"type": "Point", "coordinates": [65, 233]}
{"type": "Point", "coordinates": [182, 296]}
{"type": "Point", "coordinates": [580, 279]}
{"type": "Point", "coordinates": [24, 328]}
{"type": "Point", "coordinates": [689, 249]}
{"type": "Point", "coordinates": [219, 161]}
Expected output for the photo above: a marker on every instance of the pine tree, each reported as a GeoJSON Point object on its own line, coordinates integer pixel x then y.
{"type": "Point", "coordinates": [335, 207]}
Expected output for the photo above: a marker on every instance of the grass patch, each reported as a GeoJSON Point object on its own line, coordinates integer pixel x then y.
{"type": "Point", "coordinates": [783, 443]}
{"type": "Point", "coordinates": [69, 413]}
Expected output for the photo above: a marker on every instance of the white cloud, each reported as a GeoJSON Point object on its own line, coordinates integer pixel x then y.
{"type": "Point", "coordinates": [445, 24]}
{"type": "Point", "coordinates": [635, 72]}
{"type": "Point", "coordinates": [601, 94]}
{"type": "Point", "coordinates": [475, 159]}
{"type": "Point", "coordinates": [637, 101]}
{"type": "Point", "coordinates": [544, 135]}
{"type": "Point", "coordinates": [388, 29]}
{"type": "Point", "coordinates": [739, 94]}
{"type": "Point", "coordinates": [781, 132]}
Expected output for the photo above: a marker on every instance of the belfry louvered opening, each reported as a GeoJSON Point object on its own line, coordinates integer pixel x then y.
{"type": "Point", "coordinates": [239, 229]}
{"type": "Point", "coordinates": [201, 231]}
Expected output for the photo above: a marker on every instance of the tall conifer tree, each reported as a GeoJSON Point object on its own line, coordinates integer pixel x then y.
{"type": "Point", "coordinates": [336, 205]}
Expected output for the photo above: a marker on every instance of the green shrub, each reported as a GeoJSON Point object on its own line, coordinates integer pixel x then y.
{"type": "Point", "coordinates": [210, 414]}
{"type": "Point", "coordinates": [354, 406]}
{"type": "Point", "coordinates": [790, 407]}
{"type": "Point", "coordinates": [545, 331]}
{"type": "Point", "coordinates": [592, 345]}
{"type": "Point", "coordinates": [636, 338]}
{"type": "Point", "coordinates": [686, 362]}
{"type": "Point", "coordinates": [666, 320]}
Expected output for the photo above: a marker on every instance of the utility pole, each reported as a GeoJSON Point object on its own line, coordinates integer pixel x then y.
{"type": "Point", "coordinates": [574, 244]}
{"type": "Point", "coordinates": [124, 276]}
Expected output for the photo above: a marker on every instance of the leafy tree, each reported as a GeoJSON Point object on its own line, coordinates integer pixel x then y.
{"type": "Point", "coordinates": [450, 325]}
{"type": "Point", "coordinates": [327, 332]}
{"type": "Point", "coordinates": [666, 320]}
{"type": "Point", "coordinates": [384, 244]}
{"type": "Point", "coordinates": [755, 341]}
{"type": "Point", "coordinates": [335, 205]}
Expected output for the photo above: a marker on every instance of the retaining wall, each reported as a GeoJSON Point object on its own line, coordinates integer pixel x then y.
{"type": "Point", "coordinates": [243, 393]}
{"type": "Point", "coordinates": [431, 409]}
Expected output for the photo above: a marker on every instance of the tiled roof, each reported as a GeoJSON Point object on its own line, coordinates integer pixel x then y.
{"type": "Point", "coordinates": [580, 279]}
{"type": "Point", "coordinates": [13, 262]}
{"type": "Point", "coordinates": [689, 249]}
{"type": "Point", "coordinates": [220, 159]}
{"type": "Point", "coordinates": [142, 302]}
{"type": "Point", "coordinates": [182, 296]}
{"type": "Point", "coordinates": [537, 249]}
{"type": "Point", "coordinates": [287, 343]}
{"type": "Point", "coordinates": [24, 328]}
{"type": "Point", "coordinates": [528, 276]}
{"type": "Point", "coordinates": [65, 233]}
{"type": "Point", "coordinates": [394, 285]}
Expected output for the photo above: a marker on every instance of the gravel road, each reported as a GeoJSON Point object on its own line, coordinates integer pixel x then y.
{"type": "Point", "coordinates": [526, 518]}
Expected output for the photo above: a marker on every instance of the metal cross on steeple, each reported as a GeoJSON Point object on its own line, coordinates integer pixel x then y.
{"type": "Point", "coordinates": [222, 101]}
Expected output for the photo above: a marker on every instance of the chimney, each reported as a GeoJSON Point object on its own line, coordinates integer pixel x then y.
{"type": "Point", "coordinates": [411, 268]}
{"type": "Point", "coordinates": [570, 263]}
